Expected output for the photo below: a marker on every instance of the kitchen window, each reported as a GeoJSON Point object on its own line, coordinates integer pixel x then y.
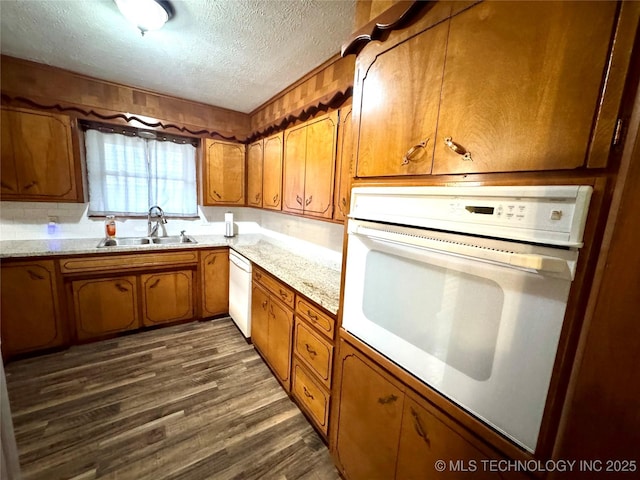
{"type": "Point", "coordinates": [129, 171]}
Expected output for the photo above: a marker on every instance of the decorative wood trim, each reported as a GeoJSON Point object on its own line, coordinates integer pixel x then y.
{"type": "Point", "coordinates": [330, 101]}
{"type": "Point", "coordinates": [125, 118]}
{"type": "Point", "coordinates": [397, 17]}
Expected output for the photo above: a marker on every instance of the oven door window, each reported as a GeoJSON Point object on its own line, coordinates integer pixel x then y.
{"type": "Point", "coordinates": [454, 315]}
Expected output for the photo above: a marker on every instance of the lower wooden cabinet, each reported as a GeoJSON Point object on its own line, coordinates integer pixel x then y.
{"type": "Point", "coordinates": [214, 278]}
{"type": "Point", "coordinates": [105, 306]}
{"type": "Point", "coordinates": [311, 395]}
{"type": "Point", "coordinates": [384, 430]}
{"type": "Point", "coordinates": [31, 317]}
{"type": "Point", "coordinates": [272, 324]}
{"type": "Point", "coordinates": [166, 297]}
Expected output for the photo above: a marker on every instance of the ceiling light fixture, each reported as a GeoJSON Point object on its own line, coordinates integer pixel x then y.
{"type": "Point", "coordinates": [146, 14]}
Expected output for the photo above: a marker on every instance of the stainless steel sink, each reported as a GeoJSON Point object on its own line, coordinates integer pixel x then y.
{"type": "Point", "coordinates": [129, 241]}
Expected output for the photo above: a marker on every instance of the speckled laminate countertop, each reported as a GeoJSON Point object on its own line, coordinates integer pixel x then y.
{"type": "Point", "coordinates": [315, 277]}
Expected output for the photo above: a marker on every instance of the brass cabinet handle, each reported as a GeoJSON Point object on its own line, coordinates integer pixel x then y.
{"type": "Point", "coordinates": [34, 275]}
{"type": "Point", "coordinates": [417, 424]}
{"type": "Point", "coordinates": [257, 197]}
{"type": "Point", "coordinates": [306, 393]}
{"type": "Point", "coordinates": [283, 294]}
{"type": "Point", "coordinates": [30, 185]}
{"type": "Point", "coordinates": [390, 399]}
{"type": "Point", "coordinates": [308, 201]}
{"type": "Point", "coordinates": [407, 157]}
{"type": "Point", "coordinates": [217, 194]}
{"type": "Point", "coordinates": [6, 186]}
{"type": "Point", "coordinates": [275, 198]}
{"type": "Point", "coordinates": [457, 148]}
{"type": "Point", "coordinates": [311, 315]}
{"type": "Point", "coordinates": [212, 261]}
{"type": "Point", "coordinates": [311, 351]}
{"type": "Point", "coordinates": [121, 288]}
{"type": "Point", "coordinates": [299, 200]}
{"type": "Point", "coordinates": [155, 284]}
{"type": "Point", "coordinates": [264, 304]}
{"type": "Point", "coordinates": [258, 275]}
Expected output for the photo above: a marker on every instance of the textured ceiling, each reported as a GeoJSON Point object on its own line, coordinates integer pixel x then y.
{"type": "Point", "coordinates": [230, 53]}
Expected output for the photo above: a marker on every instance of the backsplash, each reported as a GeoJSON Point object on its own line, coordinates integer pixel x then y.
{"type": "Point", "coordinates": [31, 221]}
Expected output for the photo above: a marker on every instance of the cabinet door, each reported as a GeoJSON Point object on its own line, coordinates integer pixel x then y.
{"type": "Point", "coordinates": [295, 151]}
{"type": "Point", "coordinates": [320, 165]}
{"type": "Point", "coordinates": [425, 439]}
{"type": "Point", "coordinates": [8, 175]}
{"type": "Point", "coordinates": [43, 154]}
{"type": "Point", "coordinates": [105, 306]}
{"type": "Point", "coordinates": [369, 418]}
{"type": "Point", "coordinates": [254, 174]}
{"type": "Point", "coordinates": [214, 268]}
{"type": "Point", "coordinates": [344, 160]}
{"type": "Point", "coordinates": [260, 319]}
{"type": "Point", "coordinates": [272, 172]}
{"type": "Point", "coordinates": [224, 173]}
{"type": "Point", "coordinates": [521, 85]}
{"type": "Point", "coordinates": [400, 94]}
{"type": "Point", "coordinates": [31, 318]}
{"type": "Point", "coordinates": [167, 297]}
{"type": "Point", "coordinates": [280, 340]}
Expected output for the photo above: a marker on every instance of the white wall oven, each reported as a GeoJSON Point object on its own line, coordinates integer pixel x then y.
{"type": "Point", "coordinates": [466, 288]}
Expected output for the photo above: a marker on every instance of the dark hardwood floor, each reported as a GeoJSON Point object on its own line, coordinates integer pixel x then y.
{"type": "Point", "coordinates": [193, 401]}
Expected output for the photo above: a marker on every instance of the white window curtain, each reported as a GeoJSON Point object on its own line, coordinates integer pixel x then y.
{"type": "Point", "coordinates": [127, 175]}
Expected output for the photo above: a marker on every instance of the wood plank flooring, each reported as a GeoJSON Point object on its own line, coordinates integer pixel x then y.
{"type": "Point", "coordinates": [188, 402]}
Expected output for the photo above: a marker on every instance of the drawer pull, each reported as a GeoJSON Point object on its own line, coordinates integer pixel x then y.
{"type": "Point", "coordinates": [6, 186]}
{"type": "Point", "coordinates": [311, 351]}
{"type": "Point", "coordinates": [257, 197]}
{"type": "Point", "coordinates": [30, 185]}
{"type": "Point", "coordinates": [390, 399]}
{"type": "Point", "coordinates": [275, 198]}
{"type": "Point", "coordinates": [155, 284]}
{"type": "Point", "coordinates": [308, 201]}
{"type": "Point", "coordinates": [406, 158]}
{"type": "Point", "coordinates": [457, 148]}
{"type": "Point", "coordinates": [212, 261]}
{"type": "Point", "coordinates": [306, 392]}
{"type": "Point", "coordinates": [34, 275]}
{"type": "Point", "coordinates": [217, 194]}
{"type": "Point", "coordinates": [284, 294]}
{"type": "Point", "coordinates": [299, 200]}
{"type": "Point", "coordinates": [121, 288]}
{"type": "Point", "coordinates": [258, 275]}
{"type": "Point", "coordinates": [419, 428]}
{"type": "Point", "coordinates": [264, 304]}
{"type": "Point", "coordinates": [311, 315]}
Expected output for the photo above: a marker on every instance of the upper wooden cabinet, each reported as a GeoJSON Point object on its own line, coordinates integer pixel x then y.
{"type": "Point", "coordinates": [344, 164]}
{"type": "Point", "coordinates": [223, 173]}
{"type": "Point", "coordinates": [309, 163]}
{"type": "Point", "coordinates": [38, 157]}
{"type": "Point", "coordinates": [264, 173]}
{"type": "Point", "coordinates": [31, 315]}
{"type": "Point", "coordinates": [272, 172]}
{"type": "Point", "coordinates": [254, 174]}
{"type": "Point", "coordinates": [499, 86]}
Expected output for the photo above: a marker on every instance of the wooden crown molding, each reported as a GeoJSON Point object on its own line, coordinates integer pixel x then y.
{"type": "Point", "coordinates": [396, 17]}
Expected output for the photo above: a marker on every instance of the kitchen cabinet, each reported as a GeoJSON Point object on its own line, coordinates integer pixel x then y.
{"type": "Point", "coordinates": [105, 306]}
{"type": "Point", "coordinates": [272, 172]}
{"type": "Point", "coordinates": [255, 155]}
{"type": "Point", "coordinates": [166, 297]}
{"type": "Point", "coordinates": [38, 162]}
{"type": "Point", "coordinates": [264, 173]}
{"type": "Point", "coordinates": [272, 323]}
{"type": "Point", "coordinates": [385, 430]}
{"type": "Point", "coordinates": [500, 86]}
{"type": "Point", "coordinates": [31, 312]}
{"type": "Point", "coordinates": [223, 173]}
{"type": "Point", "coordinates": [344, 164]}
{"type": "Point", "coordinates": [214, 277]}
{"type": "Point", "coordinates": [116, 293]}
{"type": "Point", "coordinates": [310, 395]}
{"type": "Point", "coordinates": [309, 165]}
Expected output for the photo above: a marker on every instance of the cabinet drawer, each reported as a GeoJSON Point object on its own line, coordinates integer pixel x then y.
{"type": "Point", "coordinates": [314, 352]}
{"type": "Point", "coordinates": [279, 289]}
{"type": "Point", "coordinates": [316, 317]}
{"type": "Point", "coordinates": [312, 396]}
{"type": "Point", "coordinates": [118, 262]}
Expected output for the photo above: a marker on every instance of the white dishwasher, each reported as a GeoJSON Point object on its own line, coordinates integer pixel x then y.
{"type": "Point", "coordinates": [240, 292]}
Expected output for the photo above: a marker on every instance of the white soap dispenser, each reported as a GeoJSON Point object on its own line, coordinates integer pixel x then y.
{"type": "Point", "coordinates": [228, 224]}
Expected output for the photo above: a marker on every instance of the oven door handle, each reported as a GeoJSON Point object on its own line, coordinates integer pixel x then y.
{"type": "Point", "coordinates": [529, 261]}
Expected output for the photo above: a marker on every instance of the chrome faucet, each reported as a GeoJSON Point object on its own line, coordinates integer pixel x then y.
{"type": "Point", "coordinates": [158, 214]}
